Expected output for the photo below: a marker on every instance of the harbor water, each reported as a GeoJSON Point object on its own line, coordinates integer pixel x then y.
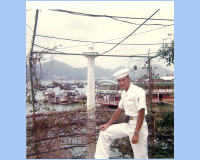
{"type": "Point", "coordinates": [58, 91]}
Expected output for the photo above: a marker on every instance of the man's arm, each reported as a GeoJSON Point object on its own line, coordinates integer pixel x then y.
{"type": "Point", "coordinates": [116, 115]}
{"type": "Point", "coordinates": [140, 119]}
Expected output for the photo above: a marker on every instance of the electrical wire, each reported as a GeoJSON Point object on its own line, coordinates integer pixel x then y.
{"type": "Point", "coordinates": [93, 15]}
{"type": "Point", "coordinates": [136, 23]}
{"type": "Point", "coordinates": [29, 27]}
{"type": "Point", "coordinates": [45, 48]}
{"type": "Point", "coordinates": [103, 42]}
{"type": "Point", "coordinates": [119, 37]}
{"type": "Point", "coordinates": [107, 40]}
{"type": "Point", "coordinates": [66, 53]}
{"type": "Point", "coordinates": [140, 32]}
{"type": "Point", "coordinates": [132, 32]}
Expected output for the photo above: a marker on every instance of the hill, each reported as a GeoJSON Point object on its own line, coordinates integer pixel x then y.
{"type": "Point", "coordinates": [60, 69]}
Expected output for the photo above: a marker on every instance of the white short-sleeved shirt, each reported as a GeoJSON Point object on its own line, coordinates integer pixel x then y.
{"type": "Point", "coordinates": [133, 100]}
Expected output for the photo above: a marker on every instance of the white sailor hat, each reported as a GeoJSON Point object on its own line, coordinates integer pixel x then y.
{"type": "Point", "coordinates": [121, 73]}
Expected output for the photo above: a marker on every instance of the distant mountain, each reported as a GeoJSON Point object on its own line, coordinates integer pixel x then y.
{"type": "Point", "coordinates": [60, 69]}
{"type": "Point", "coordinates": [156, 69]}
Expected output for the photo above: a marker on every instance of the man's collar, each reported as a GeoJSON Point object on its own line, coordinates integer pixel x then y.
{"type": "Point", "coordinates": [129, 89]}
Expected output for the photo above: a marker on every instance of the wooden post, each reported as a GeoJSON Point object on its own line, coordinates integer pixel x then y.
{"type": "Point", "coordinates": [31, 78]}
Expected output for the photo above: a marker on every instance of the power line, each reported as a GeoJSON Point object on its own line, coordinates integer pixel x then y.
{"type": "Point", "coordinates": [103, 42]}
{"type": "Point", "coordinates": [141, 32]}
{"type": "Point", "coordinates": [148, 53]}
{"type": "Point", "coordinates": [29, 27]}
{"type": "Point", "coordinates": [108, 40]}
{"type": "Point", "coordinates": [45, 48]}
{"type": "Point", "coordinates": [93, 15]}
{"type": "Point", "coordinates": [82, 54]}
{"type": "Point", "coordinates": [136, 23]}
{"type": "Point", "coordinates": [85, 54]}
{"type": "Point", "coordinates": [119, 37]}
{"type": "Point", "coordinates": [131, 33]}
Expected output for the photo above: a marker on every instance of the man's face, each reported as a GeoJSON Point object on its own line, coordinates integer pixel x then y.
{"type": "Point", "coordinates": [124, 82]}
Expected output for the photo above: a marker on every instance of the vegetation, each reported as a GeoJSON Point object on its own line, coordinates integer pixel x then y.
{"type": "Point", "coordinates": [166, 50]}
{"type": "Point", "coordinates": [162, 136]}
{"type": "Point", "coordinates": [164, 147]}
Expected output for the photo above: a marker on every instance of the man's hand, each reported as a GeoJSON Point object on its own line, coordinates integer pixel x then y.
{"type": "Point", "coordinates": [104, 127]}
{"type": "Point", "coordinates": [135, 138]}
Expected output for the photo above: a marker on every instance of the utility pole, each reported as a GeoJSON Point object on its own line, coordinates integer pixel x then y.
{"type": "Point", "coordinates": [150, 95]}
{"type": "Point", "coordinates": [31, 78]}
{"type": "Point", "coordinates": [91, 119]}
{"type": "Point", "coordinates": [30, 62]}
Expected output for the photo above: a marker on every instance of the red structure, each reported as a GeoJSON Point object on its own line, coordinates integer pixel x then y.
{"type": "Point", "coordinates": [109, 93]}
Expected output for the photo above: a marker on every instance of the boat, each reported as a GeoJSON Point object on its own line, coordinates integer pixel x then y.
{"type": "Point", "coordinates": [56, 84]}
{"type": "Point", "coordinates": [42, 87]}
{"type": "Point", "coordinates": [82, 96]}
{"type": "Point", "coordinates": [62, 98]}
{"type": "Point", "coordinates": [49, 94]}
{"type": "Point", "coordinates": [53, 101]}
{"type": "Point", "coordinates": [64, 103]}
{"type": "Point", "coordinates": [69, 88]}
{"type": "Point", "coordinates": [71, 99]}
{"type": "Point", "coordinates": [76, 100]}
{"type": "Point", "coordinates": [76, 92]}
{"type": "Point", "coordinates": [50, 86]}
{"type": "Point", "coordinates": [62, 86]}
{"type": "Point", "coordinates": [45, 99]}
{"type": "Point", "coordinates": [80, 85]}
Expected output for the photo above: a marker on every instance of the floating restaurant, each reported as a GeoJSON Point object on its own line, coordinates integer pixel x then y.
{"type": "Point", "coordinates": [109, 93]}
{"type": "Point", "coordinates": [161, 91]}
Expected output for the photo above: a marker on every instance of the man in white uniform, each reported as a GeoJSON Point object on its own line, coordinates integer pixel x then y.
{"type": "Point", "coordinates": [133, 101]}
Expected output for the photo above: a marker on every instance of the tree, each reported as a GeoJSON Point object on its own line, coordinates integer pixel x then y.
{"type": "Point", "coordinates": [166, 50]}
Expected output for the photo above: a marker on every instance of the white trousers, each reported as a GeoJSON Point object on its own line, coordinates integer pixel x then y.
{"type": "Point", "coordinates": [140, 149]}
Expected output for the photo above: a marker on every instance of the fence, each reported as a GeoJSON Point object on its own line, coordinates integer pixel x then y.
{"type": "Point", "coordinates": [63, 134]}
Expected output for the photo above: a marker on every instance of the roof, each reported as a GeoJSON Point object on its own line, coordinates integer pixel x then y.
{"type": "Point", "coordinates": [155, 83]}
{"type": "Point", "coordinates": [107, 91]}
{"type": "Point", "coordinates": [106, 82]}
{"type": "Point", "coordinates": [155, 77]}
{"type": "Point", "coordinates": [167, 78]}
{"type": "Point", "coordinates": [109, 83]}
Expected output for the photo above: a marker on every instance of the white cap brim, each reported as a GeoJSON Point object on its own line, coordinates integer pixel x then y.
{"type": "Point", "coordinates": [121, 73]}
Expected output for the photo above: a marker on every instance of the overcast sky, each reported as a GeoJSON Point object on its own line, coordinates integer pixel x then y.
{"type": "Point", "coordinates": [65, 25]}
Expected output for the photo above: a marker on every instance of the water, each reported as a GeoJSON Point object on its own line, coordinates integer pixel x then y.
{"type": "Point", "coordinates": [57, 107]}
